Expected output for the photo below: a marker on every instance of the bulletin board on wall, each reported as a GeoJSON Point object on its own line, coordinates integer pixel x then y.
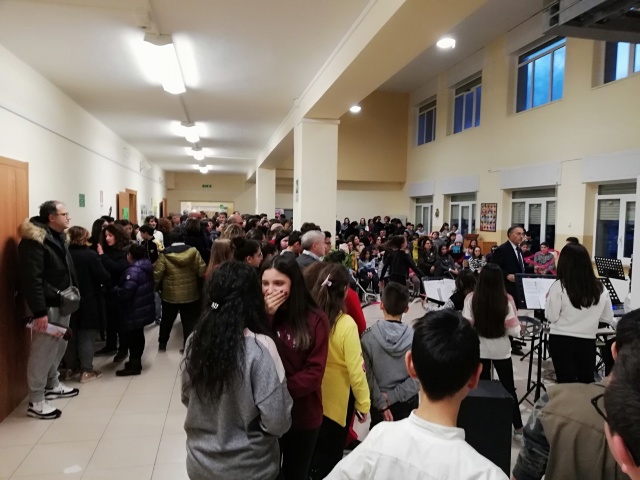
{"type": "Point", "coordinates": [488, 217]}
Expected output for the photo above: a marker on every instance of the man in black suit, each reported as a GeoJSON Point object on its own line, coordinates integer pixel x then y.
{"type": "Point", "coordinates": [508, 257]}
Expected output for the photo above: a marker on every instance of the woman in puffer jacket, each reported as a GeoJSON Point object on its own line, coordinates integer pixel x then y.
{"type": "Point", "coordinates": [135, 293]}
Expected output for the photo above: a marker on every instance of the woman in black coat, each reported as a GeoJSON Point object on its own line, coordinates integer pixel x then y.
{"type": "Point", "coordinates": [195, 238]}
{"type": "Point", "coordinates": [89, 319]}
{"type": "Point", "coordinates": [113, 254]}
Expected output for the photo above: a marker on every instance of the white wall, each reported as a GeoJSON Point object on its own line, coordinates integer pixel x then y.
{"type": "Point", "coordinates": [69, 151]}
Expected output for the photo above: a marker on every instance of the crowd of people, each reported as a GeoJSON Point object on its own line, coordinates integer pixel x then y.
{"type": "Point", "coordinates": [278, 362]}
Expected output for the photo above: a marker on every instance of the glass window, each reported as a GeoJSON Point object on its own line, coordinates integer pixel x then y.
{"type": "Point", "coordinates": [617, 189]}
{"type": "Point", "coordinates": [466, 106]}
{"type": "Point", "coordinates": [621, 60]}
{"type": "Point", "coordinates": [615, 221]}
{"type": "Point", "coordinates": [535, 211]}
{"type": "Point", "coordinates": [629, 228]}
{"type": "Point", "coordinates": [607, 228]}
{"type": "Point", "coordinates": [427, 123]}
{"type": "Point", "coordinates": [541, 75]}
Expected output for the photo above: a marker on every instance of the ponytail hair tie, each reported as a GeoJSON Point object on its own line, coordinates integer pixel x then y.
{"type": "Point", "coordinates": [327, 282]}
{"type": "Point", "coordinates": [215, 305]}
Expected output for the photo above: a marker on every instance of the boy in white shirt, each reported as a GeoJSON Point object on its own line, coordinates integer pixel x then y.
{"type": "Point", "coordinates": [445, 358]}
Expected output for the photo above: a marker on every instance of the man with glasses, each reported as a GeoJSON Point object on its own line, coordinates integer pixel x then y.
{"type": "Point", "coordinates": [46, 269]}
{"type": "Point", "coordinates": [565, 435]}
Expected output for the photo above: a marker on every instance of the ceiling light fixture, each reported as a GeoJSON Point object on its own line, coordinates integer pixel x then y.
{"type": "Point", "coordinates": [355, 109]}
{"type": "Point", "coordinates": [190, 132]}
{"type": "Point", "coordinates": [446, 43]}
{"type": "Point", "coordinates": [165, 62]}
{"type": "Point", "coordinates": [204, 169]}
{"type": "Point", "coordinates": [197, 153]}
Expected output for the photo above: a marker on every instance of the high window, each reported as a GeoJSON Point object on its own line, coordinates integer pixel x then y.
{"type": "Point", "coordinates": [463, 212]}
{"type": "Point", "coordinates": [541, 75]}
{"type": "Point", "coordinates": [621, 60]}
{"type": "Point", "coordinates": [615, 221]}
{"type": "Point", "coordinates": [466, 105]}
{"type": "Point", "coordinates": [427, 123]}
{"type": "Point", "coordinates": [535, 211]}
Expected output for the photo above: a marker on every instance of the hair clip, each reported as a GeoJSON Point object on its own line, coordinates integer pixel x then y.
{"type": "Point", "coordinates": [327, 282]}
{"type": "Point", "coordinates": [215, 305]}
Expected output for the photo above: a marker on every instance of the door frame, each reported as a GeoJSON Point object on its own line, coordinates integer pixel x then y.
{"type": "Point", "coordinates": [624, 198]}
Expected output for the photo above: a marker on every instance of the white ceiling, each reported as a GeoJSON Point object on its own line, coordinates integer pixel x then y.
{"type": "Point", "coordinates": [244, 63]}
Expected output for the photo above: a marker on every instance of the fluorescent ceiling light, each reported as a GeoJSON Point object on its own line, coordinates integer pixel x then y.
{"type": "Point", "coordinates": [446, 43]}
{"type": "Point", "coordinates": [164, 61]}
{"type": "Point", "coordinates": [355, 109]}
{"type": "Point", "coordinates": [190, 132]}
{"type": "Point", "coordinates": [204, 170]}
{"type": "Point", "coordinates": [197, 153]}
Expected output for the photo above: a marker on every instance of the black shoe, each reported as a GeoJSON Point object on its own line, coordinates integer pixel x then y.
{"type": "Point", "coordinates": [162, 347]}
{"type": "Point", "coordinates": [128, 371]}
{"type": "Point", "coordinates": [120, 356]}
{"type": "Point", "coordinates": [517, 350]}
{"type": "Point", "coordinates": [105, 352]}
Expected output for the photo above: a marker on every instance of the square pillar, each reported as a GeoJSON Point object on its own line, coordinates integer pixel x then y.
{"type": "Point", "coordinates": [266, 191]}
{"type": "Point", "coordinates": [315, 173]}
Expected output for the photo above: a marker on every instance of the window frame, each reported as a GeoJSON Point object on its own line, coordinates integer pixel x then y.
{"type": "Point", "coordinates": [461, 91]}
{"type": "Point", "coordinates": [544, 202]}
{"type": "Point", "coordinates": [529, 57]}
{"type": "Point", "coordinates": [427, 107]}
{"type": "Point", "coordinates": [610, 65]}
{"type": "Point", "coordinates": [460, 204]}
{"type": "Point", "coordinates": [623, 198]}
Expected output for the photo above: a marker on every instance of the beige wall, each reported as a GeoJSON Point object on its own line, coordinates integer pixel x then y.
{"type": "Point", "coordinates": [588, 120]}
{"type": "Point", "coordinates": [372, 145]}
{"type": "Point", "coordinates": [184, 187]}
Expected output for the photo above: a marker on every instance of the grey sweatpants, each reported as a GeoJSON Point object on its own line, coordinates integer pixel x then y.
{"type": "Point", "coordinates": [45, 356]}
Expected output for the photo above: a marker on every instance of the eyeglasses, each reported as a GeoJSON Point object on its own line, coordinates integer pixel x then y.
{"type": "Point", "coordinates": [63, 214]}
{"type": "Point", "coordinates": [594, 402]}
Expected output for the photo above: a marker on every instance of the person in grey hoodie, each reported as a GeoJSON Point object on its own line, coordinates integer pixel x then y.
{"type": "Point", "coordinates": [233, 384]}
{"type": "Point", "coordinates": [394, 394]}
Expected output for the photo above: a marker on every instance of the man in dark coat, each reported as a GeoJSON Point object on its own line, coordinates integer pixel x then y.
{"type": "Point", "coordinates": [508, 257]}
{"type": "Point", "coordinates": [135, 291]}
{"type": "Point", "coordinates": [46, 269]}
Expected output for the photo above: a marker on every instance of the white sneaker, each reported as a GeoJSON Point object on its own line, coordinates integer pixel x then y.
{"type": "Point", "coordinates": [43, 410]}
{"type": "Point", "coordinates": [61, 391]}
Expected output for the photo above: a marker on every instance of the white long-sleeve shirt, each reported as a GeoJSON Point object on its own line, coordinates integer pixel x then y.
{"type": "Point", "coordinates": [414, 449]}
{"type": "Point", "coordinates": [567, 320]}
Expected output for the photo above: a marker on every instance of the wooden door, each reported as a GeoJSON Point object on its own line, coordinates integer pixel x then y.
{"type": "Point", "coordinates": [163, 208]}
{"type": "Point", "coordinates": [133, 205]}
{"type": "Point", "coordinates": [14, 341]}
{"type": "Point", "coordinates": [124, 209]}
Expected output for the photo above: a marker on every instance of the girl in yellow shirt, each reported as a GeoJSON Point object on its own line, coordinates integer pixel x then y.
{"type": "Point", "coordinates": [328, 284]}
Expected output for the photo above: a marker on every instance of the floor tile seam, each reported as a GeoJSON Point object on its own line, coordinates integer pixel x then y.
{"type": "Point", "coordinates": [155, 463]}
{"type": "Point", "coordinates": [37, 442]}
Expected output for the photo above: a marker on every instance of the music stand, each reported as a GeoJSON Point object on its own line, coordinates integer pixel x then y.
{"type": "Point", "coordinates": [610, 267]}
{"type": "Point", "coordinates": [429, 279]}
{"type": "Point", "coordinates": [615, 300]}
{"type": "Point", "coordinates": [521, 300]}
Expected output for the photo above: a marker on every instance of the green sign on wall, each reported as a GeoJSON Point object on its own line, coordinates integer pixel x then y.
{"type": "Point", "coordinates": [206, 185]}
{"type": "Point", "coordinates": [81, 199]}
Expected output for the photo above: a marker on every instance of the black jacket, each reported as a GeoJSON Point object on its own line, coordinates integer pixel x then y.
{"type": "Point", "coordinates": [398, 263]}
{"type": "Point", "coordinates": [46, 267]}
{"type": "Point", "coordinates": [198, 241]}
{"type": "Point", "coordinates": [92, 277]}
{"type": "Point", "coordinates": [115, 262]}
{"type": "Point", "coordinates": [505, 257]}
{"type": "Point", "coordinates": [135, 294]}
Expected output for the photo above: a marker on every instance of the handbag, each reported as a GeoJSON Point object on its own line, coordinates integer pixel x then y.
{"type": "Point", "coordinates": [69, 300]}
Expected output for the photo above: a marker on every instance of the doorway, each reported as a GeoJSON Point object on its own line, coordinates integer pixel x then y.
{"type": "Point", "coordinates": [127, 203]}
{"type": "Point", "coordinates": [14, 341]}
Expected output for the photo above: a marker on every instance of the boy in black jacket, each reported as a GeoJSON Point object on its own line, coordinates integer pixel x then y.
{"type": "Point", "coordinates": [151, 246]}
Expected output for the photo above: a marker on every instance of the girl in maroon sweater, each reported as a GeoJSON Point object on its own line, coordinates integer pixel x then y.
{"type": "Point", "coordinates": [301, 334]}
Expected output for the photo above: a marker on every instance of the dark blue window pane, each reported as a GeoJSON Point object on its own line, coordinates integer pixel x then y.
{"type": "Point", "coordinates": [636, 64]}
{"type": "Point", "coordinates": [433, 135]}
{"type": "Point", "coordinates": [457, 115]}
{"type": "Point", "coordinates": [542, 81]}
{"type": "Point", "coordinates": [523, 88]}
{"type": "Point", "coordinates": [478, 97]}
{"type": "Point", "coordinates": [421, 128]}
{"type": "Point", "coordinates": [622, 61]}
{"type": "Point", "coordinates": [468, 110]}
{"type": "Point", "coordinates": [428, 137]}
{"type": "Point", "coordinates": [558, 73]}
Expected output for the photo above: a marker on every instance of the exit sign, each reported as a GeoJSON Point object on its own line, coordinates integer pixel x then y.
{"type": "Point", "coordinates": [206, 185]}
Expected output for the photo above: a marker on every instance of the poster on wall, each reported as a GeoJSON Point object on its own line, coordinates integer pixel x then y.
{"type": "Point", "coordinates": [488, 216]}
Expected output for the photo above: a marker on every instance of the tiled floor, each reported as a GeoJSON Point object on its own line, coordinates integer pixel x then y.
{"type": "Point", "coordinates": [124, 428]}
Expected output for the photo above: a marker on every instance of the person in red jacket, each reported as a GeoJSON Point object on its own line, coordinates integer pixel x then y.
{"type": "Point", "coordinates": [301, 334]}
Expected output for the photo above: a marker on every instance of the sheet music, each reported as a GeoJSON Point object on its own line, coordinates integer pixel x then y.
{"type": "Point", "coordinates": [535, 291]}
{"type": "Point", "coordinates": [439, 289]}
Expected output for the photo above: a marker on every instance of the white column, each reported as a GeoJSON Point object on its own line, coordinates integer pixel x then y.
{"type": "Point", "coordinates": [635, 284]}
{"type": "Point", "coordinates": [315, 173]}
{"type": "Point", "coordinates": [266, 191]}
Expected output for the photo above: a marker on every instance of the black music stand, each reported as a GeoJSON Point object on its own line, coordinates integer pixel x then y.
{"type": "Point", "coordinates": [538, 339]}
{"type": "Point", "coordinates": [610, 267]}
{"type": "Point", "coordinates": [615, 300]}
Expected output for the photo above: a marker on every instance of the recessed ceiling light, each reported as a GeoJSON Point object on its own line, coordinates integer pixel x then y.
{"type": "Point", "coordinates": [190, 132]}
{"type": "Point", "coordinates": [355, 109]}
{"type": "Point", "coordinates": [164, 62]}
{"type": "Point", "coordinates": [446, 43]}
{"type": "Point", "coordinates": [197, 153]}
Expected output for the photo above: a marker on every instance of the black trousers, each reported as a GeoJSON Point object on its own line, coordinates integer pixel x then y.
{"type": "Point", "coordinates": [114, 320]}
{"type": "Point", "coordinates": [365, 280]}
{"type": "Point", "coordinates": [296, 447]}
{"type": "Point", "coordinates": [134, 341]}
{"type": "Point", "coordinates": [189, 313]}
{"type": "Point", "coordinates": [574, 359]}
{"type": "Point", "coordinates": [504, 368]}
{"type": "Point", "coordinates": [399, 410]}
